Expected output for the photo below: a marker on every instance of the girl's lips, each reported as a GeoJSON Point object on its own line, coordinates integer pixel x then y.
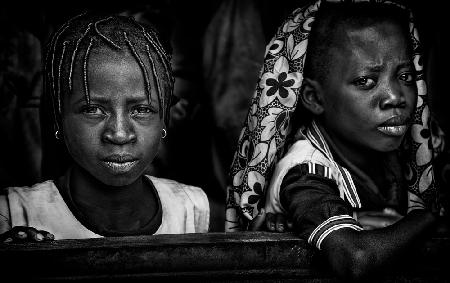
{"type": "Point", "coordinates": [395, 126]}
{"type": "Point", "coordinates": [396, 131]}
{"type": "Point", "coordinates": [119, 167]}
{"type": "Point", "coordinates": [397, 120]}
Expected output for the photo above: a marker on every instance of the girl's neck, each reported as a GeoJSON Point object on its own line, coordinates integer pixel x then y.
{"type": "Point", "coordinates": [86, 189]}
{"type": "Point", "coordinates": [130, 209]}
{"type": "Point", "coordinates": [366, 160]}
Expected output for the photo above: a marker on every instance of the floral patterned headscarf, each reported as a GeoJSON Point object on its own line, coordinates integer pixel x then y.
{"type": "Point", "coordinates": [262, 140]}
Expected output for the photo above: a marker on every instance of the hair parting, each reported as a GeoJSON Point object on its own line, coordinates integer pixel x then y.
{"type": "Point", "coordinates": [103, 36]}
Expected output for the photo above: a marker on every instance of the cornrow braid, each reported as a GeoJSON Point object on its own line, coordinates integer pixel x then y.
{"type": "Point", "coordinates": [49, 79]}
{"type": "Point", "coordinates": [152, 65]}
{"type": "Point", "coordinates": [72, 62]}
{"type": "Point", "coordinates": [141, 64]}
{"type": "Point", "coordinates": [70, 48]}
{"type": "Point", "coordinates": [153, 40]}
{"type": "Point", "coordinates": [164, 57]}
{"type": "Point", "coordinates": [85, 66]}
{"type": "Point", "coordinates": [59, 75]}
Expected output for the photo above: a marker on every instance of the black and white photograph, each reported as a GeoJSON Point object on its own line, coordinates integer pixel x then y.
{"type": "Point", "coordinates": [224, 141]}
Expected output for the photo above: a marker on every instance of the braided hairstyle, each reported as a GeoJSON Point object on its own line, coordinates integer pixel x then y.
{"type": "Point", "coordinates": [71, 46]}
{"type": "Point", "coordinates": [69, 49]}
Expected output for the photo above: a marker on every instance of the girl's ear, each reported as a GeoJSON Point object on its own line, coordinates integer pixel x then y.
{"type": "Point", "coordinates": [311, 96]}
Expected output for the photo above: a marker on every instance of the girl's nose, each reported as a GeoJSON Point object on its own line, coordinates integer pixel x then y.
{"type": "Point", "coordinates": [119, 130]}
{"type": "Point", "coordinates": [392, 97]}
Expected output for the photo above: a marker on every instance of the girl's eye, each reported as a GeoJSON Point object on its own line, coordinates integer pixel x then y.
{"type": "Point", "coordinates": [142, 110]}
{"type": "Point", "coordinates": [407, 77]}
{"type": "Point", "coordinates": [364, 82]}
{"type": "Point", "coordinates": [93, 110]}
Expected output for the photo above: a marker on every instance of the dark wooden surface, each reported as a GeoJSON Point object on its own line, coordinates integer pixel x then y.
{"type": "Point", "coordinates": [218, 257]}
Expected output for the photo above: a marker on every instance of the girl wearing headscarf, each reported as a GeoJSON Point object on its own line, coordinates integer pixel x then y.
{"type": "Point", "coordinates": [338, 131]}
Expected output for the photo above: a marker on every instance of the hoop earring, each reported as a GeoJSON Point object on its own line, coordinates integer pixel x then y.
{"type": "Point", "coordinates": [164, 134]}
{"type": "Point", "coordinates": [57, 134]}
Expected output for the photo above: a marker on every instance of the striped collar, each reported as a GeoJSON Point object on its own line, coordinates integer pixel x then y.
{"type": "Point", "coordinates": [316, 138]}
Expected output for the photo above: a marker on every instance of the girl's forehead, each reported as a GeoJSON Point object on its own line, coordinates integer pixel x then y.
{"type": "Point", "coordinates": [111, 66]}
{"type": "Point", "coordinates": [138, 58]}
{"type": "Point", "coordinates": [111, 73]}
{"type": "Point", "coordinates": [371, 48]}
{"type": "Point", "coordinates": [104, 55]}
{"type": "Point", "coordinates": [387, 32]}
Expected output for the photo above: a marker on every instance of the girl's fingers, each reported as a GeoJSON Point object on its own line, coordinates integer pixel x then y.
{"type": "Point", "coordinates": [6, 237]}
{"type": "Point", "coordinates": [280, 223]}
{"type": "Point", "coordinates": [34, 235]}
{"type": "Point", "coordinates": [19, 235]}
{"type": "Point", "coordinates": [22, 234]}
{"type": "Point", "coordinates": [277, 222]}
{"type": "Point", "coordinates": [40, 235]}
{"type": "Point", "coordinates": [47, 236]}
{"type": "Point", "coordinates": [271, 221]}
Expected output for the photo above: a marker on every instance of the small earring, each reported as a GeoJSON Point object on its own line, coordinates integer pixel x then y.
{"type": "Point", "coordinates": [57, 134]}
{"type": "Point", "coordinates": [164, 133]}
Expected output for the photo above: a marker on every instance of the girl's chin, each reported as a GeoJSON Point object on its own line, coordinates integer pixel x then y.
{"type": "Point", "coordinates": [390, 147]}
{"type": "Point", "coordinates": [118, 180]}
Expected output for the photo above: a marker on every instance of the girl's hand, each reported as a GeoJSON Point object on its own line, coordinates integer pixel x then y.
{"type": "Point", "coordinates": [371, 220]}
{"type": "Point", "coordinates": [271, 222]}
{"type": "Point", "coordinates": [22, 234]}
{"type": "Point", "coordinates": [278, 223]}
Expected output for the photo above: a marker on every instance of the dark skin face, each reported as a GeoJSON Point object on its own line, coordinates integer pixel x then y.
{"type": "Point", "coordinates": [118, 134]}
{"type": "Point", "coordinates": [112, 141]}
{"type": "Point", "coordinates": [368, 100]}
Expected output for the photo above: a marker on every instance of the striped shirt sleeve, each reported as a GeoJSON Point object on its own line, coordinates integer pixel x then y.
{"type": "Point", "coordinates": [312, 199]}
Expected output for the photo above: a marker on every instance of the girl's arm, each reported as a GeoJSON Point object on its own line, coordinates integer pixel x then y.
{"type": "Point", "coordinates": [322, 217]}
{"type": "Point", "coordinates": [355, 254]}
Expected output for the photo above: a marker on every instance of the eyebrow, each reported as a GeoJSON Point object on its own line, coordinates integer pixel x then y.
{"type": "Point", "coordinates": [374, 68]}
{"type": "Point", "coordinates": [380, 67]}
{"type": "Point", "coordinates": [104, 100]}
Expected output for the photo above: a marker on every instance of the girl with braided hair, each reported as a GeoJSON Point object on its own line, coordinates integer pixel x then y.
{"type": "Point", "coordinates": [109, 81]}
